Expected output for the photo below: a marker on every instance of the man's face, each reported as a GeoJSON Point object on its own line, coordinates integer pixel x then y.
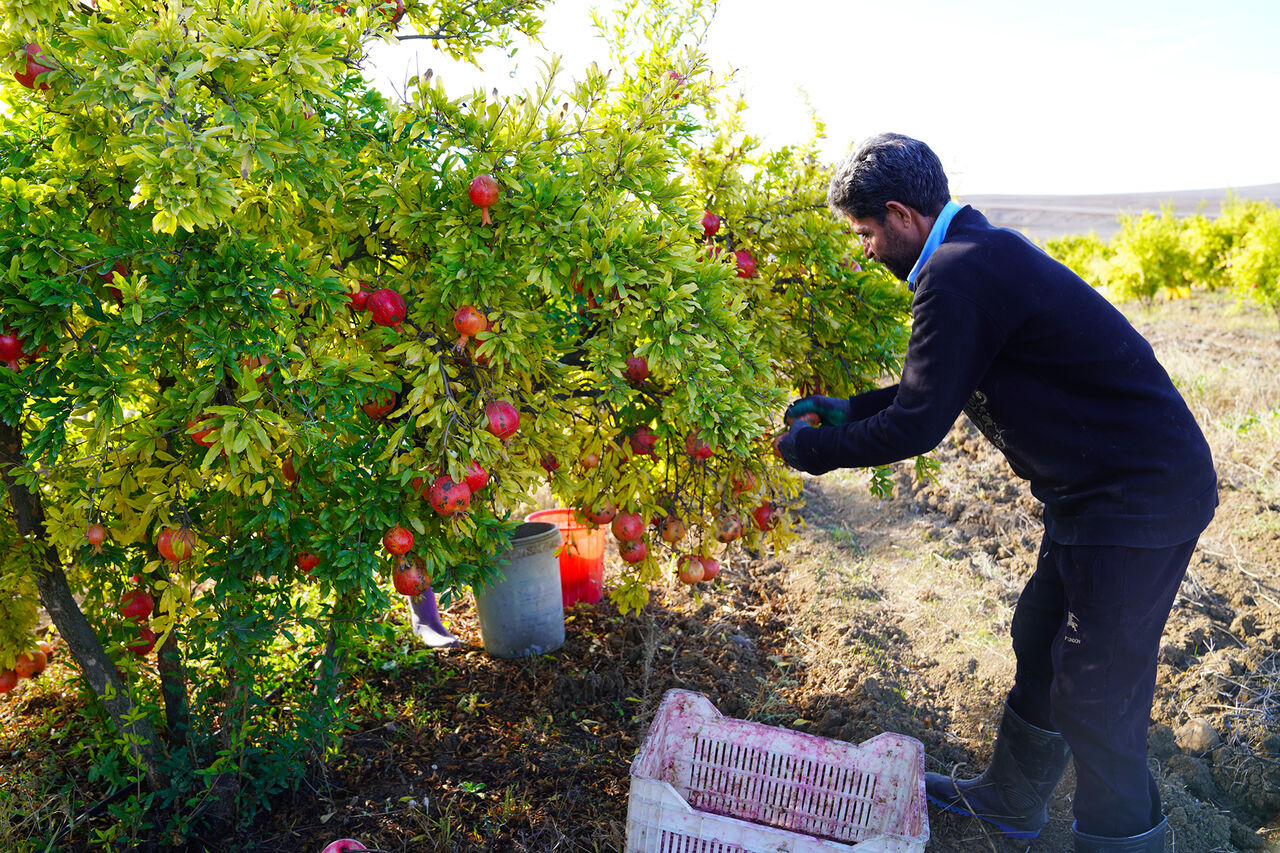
{"type": "Point", "coordinates": [891, 242]}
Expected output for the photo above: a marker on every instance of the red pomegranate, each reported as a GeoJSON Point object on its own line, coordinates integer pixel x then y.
{"type": "Point", "coordinates": [307, 561]}
{"type": "Point", "coordinates": [199, 432]}
{"type": "Point", "coordinates": [689, 568]}
{"type": "Point", "coordinates": [484, 194]}
{"type": "Point", "coordinates": [359, 299]}
{"type": "Point", "coordinates": [765, 516]}
{"type": "Point", "coordinates": [672, 530]}
{"type": "Point", "coordinates": [503, 419]}
{"type": "Point", "coordinates": [633, 551]}
{"type": "Point", "coordinates": [603, 515]}
{"type": "Point", "coordinates": [449, 497]}
{"type": "Point", "coordinates": [550, 463]}
{"type": "Point", "coordinates": [287, 470]}
{"type": "Point", "coordinates": [387, 307]}
{"type": "Point", "coordinates": [746, 263]}
{"type": "Point", "coordinates": [628, 526]}
{"type": "Point", "coordinates": [398, 540]}
{"type": "Point", "coordinates": [710, 568]}
{"type": "Point", "coordinates": [109, 279]}
{"type": "Point", "coordinates": [175, 544]}
{"type": "Point", "coordinates": [95, 534]}
{"type": "Point", "coordinates": [637, 370]}
{"type": "Point", "coordinates": [381, 406]}
{"type": "Point", "coordinates": [11, 349]}
{"type": "Point", "coordinates": [710, 223]}
{"type": "Point", "coordinates": [728, 527]}
{"type": "Point", "coordinates": [34, 68]}
{"type": "Point", "coordinates": [8, 680]}
{"type": "Point", "coordinates": [696, 447]}
{"type": "Point", "coordinates": [410, 578]}
{"type": "Point", "coordinates": [744, 482]}
{"type": "Point", "coordinates": [475, 477]}
{"type": "Point", "coordinates": [30, 664]}
{"type": "Point", "coordinates": [145, 643]}
{"type": "Point", "coordinates": [137, 605]}
{"type": "Point", "coordinates": [469, 322]}
{"type": "Point", "coordinates": [644, 442]}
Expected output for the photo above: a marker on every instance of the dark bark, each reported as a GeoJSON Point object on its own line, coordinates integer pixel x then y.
{"type": "Point", "coordinates": [173, 686]}
{"type": "Point", "coordinates": [55, 594]}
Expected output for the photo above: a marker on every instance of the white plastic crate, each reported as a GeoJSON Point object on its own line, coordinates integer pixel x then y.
{"type": "Point", "coordinates": [706, 783]}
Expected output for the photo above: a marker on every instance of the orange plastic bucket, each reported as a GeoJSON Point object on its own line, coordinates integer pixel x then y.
{"type": "Point", "coordinates": [581, 555]}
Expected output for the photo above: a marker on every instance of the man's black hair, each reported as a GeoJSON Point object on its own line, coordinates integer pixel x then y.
{"type": "Point", "coordinates": [888, 167]}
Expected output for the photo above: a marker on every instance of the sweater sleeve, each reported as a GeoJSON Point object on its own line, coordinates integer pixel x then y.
{"type": "Point", "coordinates": [953, 341]}
{"type": "Point", "coordinates": [872, 402]}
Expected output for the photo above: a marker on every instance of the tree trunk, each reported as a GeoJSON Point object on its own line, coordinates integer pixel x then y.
{"type": "Point", "coordinates": [81, 639]}
{"type": "Point", "coordinates": [173, 686]}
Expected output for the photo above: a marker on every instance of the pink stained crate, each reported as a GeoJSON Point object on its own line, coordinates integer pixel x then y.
{"type": "Point", "coordinates": [706, 783]}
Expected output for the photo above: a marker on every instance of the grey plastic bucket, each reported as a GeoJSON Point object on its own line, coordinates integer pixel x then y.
{"type": "Point", "coordinates": [522, 615]}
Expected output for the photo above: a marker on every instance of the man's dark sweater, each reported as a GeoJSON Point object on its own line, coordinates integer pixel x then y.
{"type": "Point", "coordinates": [1055, 377]}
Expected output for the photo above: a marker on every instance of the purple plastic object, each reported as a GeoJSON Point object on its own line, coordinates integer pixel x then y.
{"type": "Point", "coordinates": [424, 618]}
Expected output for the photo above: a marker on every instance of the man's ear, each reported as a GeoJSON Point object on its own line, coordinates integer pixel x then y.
{"type": "Point", "coordinates": [903, 215]}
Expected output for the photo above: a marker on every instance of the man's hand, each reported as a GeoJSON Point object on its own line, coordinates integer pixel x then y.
{"type": "Point", "coordinates": [832, 410]}
{"type": "Point", "coordinates": [785, 444]}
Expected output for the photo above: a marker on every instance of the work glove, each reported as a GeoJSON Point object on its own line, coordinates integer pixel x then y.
{"type": "Point", "coordinates": [832, 410]}
{"type": "Point", "coordinates": [786, 443]}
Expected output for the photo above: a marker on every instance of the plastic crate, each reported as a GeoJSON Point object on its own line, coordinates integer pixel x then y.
{"type": "Point", "coordinates": [706, 783]}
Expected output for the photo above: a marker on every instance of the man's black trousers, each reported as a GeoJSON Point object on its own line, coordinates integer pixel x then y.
{"type": "Point", "coordinates": [1086, 633]}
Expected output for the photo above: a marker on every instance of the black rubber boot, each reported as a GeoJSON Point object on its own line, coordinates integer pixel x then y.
{"type": "Point", "coordinates": [1151, 841]}
{"type": "Point", "coordinates": [1014, 789]}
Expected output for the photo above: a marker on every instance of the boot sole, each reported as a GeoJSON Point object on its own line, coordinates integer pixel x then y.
{"type": "Point", "coordinates": [1005, 829]}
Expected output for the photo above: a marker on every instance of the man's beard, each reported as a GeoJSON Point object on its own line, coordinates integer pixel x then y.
{"type": "Point", "coordinates": [899, 257]}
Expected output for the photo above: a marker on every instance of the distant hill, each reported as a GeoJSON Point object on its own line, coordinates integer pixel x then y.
{"type": "Point", "coordinates": [1044, 217]}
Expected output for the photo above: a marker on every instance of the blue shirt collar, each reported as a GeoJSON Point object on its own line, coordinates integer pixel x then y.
{"type": "Point", "coordinates": [936, 236]}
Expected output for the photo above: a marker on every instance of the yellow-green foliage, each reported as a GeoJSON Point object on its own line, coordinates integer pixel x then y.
{"type": "Point", "coordinates": [1147, 256]}
{"type": "Point", "coordinates": [1085, 254]}
{"type": "Point", "coordinates": [1254, 262]}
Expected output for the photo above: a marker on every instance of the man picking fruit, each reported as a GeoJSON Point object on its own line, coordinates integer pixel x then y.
{"type": "Point", "coordinates": [1074, 397]}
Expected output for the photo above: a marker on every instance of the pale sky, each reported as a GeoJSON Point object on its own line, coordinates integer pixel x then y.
{"type": "Point", "coordinates": [1091, 96]}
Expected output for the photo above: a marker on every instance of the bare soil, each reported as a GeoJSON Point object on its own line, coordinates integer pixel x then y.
{"type": "Point", "coordinates": [886, 616]}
